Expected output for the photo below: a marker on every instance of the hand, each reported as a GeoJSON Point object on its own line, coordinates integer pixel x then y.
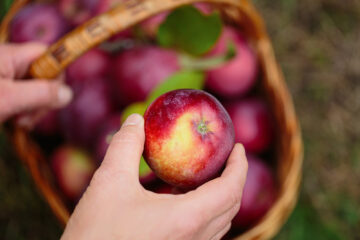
{"type": "Point", "coordinates": [18, 96]}
{"type": "Point", "coordinates": [116, 206]}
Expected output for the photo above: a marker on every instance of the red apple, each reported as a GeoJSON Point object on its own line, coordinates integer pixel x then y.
{"type": "Point", "coordinates": [90, 108]}
{"type": "Point", "coordinates": [259, 194]}
{"type": "Point", "coordinates": [79, 11]}
{"type": "Point", "coordinates": [189, 136]}
{"type": "Point", "coordinates": [237, 76]}
{"type": "Point", "coordinates": [125, 34]}
{"type": "Point", "coordinates": [164, 189]}
{"type": "Point", "coordinates": [73, 170]}
{"type": "Point", "coordinates": [139, 70]}
{"type": "Point", "coordinates": [37, 22]}
{"type": "Point", "coordinates": [151, 25]}
{"type": "Point", "coordinates": [93, 64]}
{"type": "Point", "coordinates": [252, 122]}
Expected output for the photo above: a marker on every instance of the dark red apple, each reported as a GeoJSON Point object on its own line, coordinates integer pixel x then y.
{"type": "Point", "coordinates": [164, 189]}
{"type": "Point", "coordinates": [125, 34]}
{"type": "Point", "coordinates": [93, 64]}
{"type": "Point", "coordinates": [79, 11]}
{"type": "Point", "coordinates": [237, 76]}
{"type": "Point", "coordinates": [252, 122]}
{"type": "Point", "coordinates": [48, 125]}
{"type": "Point", "coordinates": [151, 25]}
{"type": "Point", "coordinates": [73, 169]}
{"type": "Point", "coordinates": [38, 22]}
{"type": "Point", "coordinates": [259, 194]}
{"type": "Point", "coordinates": [139, 70]}
{"type": "Point", "coordinates": [91, 106]}
{"type": "Point", "coordinates": [188, 137]}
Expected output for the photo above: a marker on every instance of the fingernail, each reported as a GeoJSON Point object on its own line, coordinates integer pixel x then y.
{"type": "Point", "coordinates": [241, 147]}
{"type": "Point", "coordinates": [65, 95]}
{"type": "Point", "coordinates": [133, 119]}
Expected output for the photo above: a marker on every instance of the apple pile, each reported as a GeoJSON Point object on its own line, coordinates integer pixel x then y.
{"type": "Point", "coordinates": [199, 94]}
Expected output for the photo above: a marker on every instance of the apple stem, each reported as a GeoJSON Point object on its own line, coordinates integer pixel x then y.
{"type": "Point", "coordinates": [202, 127]}
{"type": "Point", "coordinates": [193, 63]}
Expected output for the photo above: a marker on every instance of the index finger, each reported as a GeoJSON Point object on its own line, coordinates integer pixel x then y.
{"type": "Point", "coordinates": [221, 194]}
{"type": "Point", "coordinates": [15, 59]}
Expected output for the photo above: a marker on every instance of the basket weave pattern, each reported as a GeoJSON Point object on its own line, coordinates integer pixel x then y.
{"type": "Point", "coordinates": [289, 150]}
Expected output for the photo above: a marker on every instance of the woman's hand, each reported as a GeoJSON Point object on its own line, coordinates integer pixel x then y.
{"type": "Point", "coordinates": [116, 206]}
{"type": "Point", "coordinates": [24, 96]}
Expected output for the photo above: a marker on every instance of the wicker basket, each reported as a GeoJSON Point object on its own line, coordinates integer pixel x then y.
{"type": "Point", "coordinates": [289, 149]}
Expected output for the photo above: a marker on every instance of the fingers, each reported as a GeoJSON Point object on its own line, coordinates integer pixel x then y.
{"type": "Point", "coordinates": [126, 148]}
{"type": "Point", "coordinates": [216, 197]}
{"type": "Point", "coordinates": [22, 96]}
{"type": "Point", "coordinates": [218, 224]}
{"type": "Point", "coordinates": [15, 59]}
{"type": "Point", "coordinates": [222, 232]}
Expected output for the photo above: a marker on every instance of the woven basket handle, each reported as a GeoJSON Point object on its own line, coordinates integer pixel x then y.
{"type": "Point", "coordinates": [100, 28]}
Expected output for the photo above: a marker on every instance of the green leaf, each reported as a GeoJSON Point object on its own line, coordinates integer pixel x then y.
{"type": "Point", "coordinates": [180, 80]}
{"type": "Point", "coordinates": [190, 62]}
{"type": "Point", "coordinates": [187, 29]}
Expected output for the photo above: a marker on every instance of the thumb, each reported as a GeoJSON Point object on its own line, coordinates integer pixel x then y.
{"type": "Point", "coordinates": [20, 57]}
{"type": "Point", "coordinates": [22, 96]}
{"type": "Point", "coordinates": [126, 148]}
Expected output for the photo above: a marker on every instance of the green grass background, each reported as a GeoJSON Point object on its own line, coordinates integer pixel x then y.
{"type": "Point", "coordinates": [317, 44]}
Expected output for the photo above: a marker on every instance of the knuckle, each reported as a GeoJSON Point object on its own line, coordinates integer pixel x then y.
{"type": "Point", "coordinates": [51, 92]}
{"type": "Point", "coordinates": [47, 93]}
{"type": "Point", "coordinates": [6, 69]}
{"type": "Point", "coordinates": [189, 225]}
{"type": "Point", "coordinates": [126, 135]}
{"type": "Point", "coordinates": [236, 208]}
{"type": "Point", "coordinates": [234, 196]}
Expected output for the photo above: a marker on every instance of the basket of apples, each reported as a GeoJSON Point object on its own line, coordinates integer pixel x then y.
{"type": "Point", "coordinates": [161, 58]}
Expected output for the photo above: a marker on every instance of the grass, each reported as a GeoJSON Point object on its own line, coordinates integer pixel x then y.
{"type": "Point", "coordinates": [315, 42]}
{"type": "Point", "coordinates": [317, 45]}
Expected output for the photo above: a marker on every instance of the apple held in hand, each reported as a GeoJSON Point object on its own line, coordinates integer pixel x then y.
{"type": "Point", "coordinates": [37, 22]}
{"type": "Point", "coordinates": [237, 76]}
{"type": "Point", "coordinates": [252, 122]}
{"type": "Point", "coordinates": [188, 137]}
{"type": "Point", "coordinates": [164, 189]}
{"type": "Point", "coordinates": [73, 170]}
{"type": "Point", "coordinates": [259, 194]}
